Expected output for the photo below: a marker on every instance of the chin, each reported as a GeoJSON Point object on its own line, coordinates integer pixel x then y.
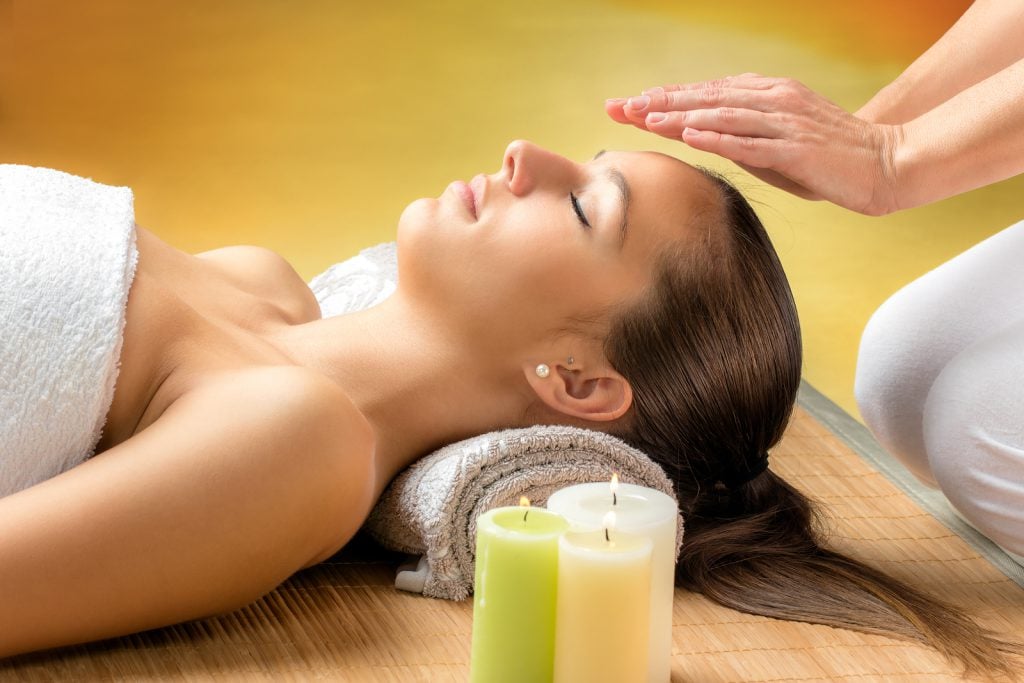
{"type": "Point", "coordinates": [416, 224]}
{"type": "Point", "coordinates": [427, 253]}
{"type": "Point", "coordinates": [418, 215]}
{"type": "Point", "coordinates": [417, 230]}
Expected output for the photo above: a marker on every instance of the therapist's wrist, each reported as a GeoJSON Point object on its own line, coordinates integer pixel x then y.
{"type": "Point", "coordinates": [886, 107]}
{"type": "Point", "coordinates": [891, 173]}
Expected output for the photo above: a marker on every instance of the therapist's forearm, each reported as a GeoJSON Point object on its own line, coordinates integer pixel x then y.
{"type": "Point", "coordinates": [973, 139]}
{"type": "Point", "coordinates": [984, 41]}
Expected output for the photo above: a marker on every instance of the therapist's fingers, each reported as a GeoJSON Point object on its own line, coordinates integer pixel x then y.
{"type": "Point", "coordinates": [748, 80]}
{"type": "Point", "coordinates": [636, 108]}
{"type": "Point", "coordinates": [754, 152]}
{"type": "Point", "coordinates": [756, 93]}
{"type": "Point", "coordinates": [616, 109]}
{"type": "Point", "coordinates": [686, 100]}
{"type": "Point", "coordinates": [613, 107]}
{"type": "Point", "coordinates": [742, 122]}
{"type": "Point", "coordinates": [749, 90]}
{"type": "Point", "coordinates": [706, 98]}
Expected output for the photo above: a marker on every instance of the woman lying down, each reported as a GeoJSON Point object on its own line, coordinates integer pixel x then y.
{"type": "Point", "coordinates": [246, 437]}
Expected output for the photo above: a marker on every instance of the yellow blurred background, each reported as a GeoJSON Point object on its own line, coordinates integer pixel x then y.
{"type": "Point", "coordinates": [307, 126]}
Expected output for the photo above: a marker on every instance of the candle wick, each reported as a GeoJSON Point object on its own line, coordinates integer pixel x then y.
{"type": "Point", "coordinates": [606, 534]}
{"type": "Point", "coordinates": [526, 513]}
{"type": "Point", "coordinates": [615, 499]}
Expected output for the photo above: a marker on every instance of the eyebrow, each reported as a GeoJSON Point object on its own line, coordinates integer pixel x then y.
{"type": "Point", "coordinates": [615, 175]}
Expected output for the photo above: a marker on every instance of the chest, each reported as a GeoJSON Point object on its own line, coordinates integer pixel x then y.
{"type": "Point", "coordinates": [190, 317]}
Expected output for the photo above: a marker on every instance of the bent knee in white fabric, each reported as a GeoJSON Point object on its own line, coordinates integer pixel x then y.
{"type": "Point", "coordinates": [894, 375]}
{"type": "Point", "coordinates": [974, 435]}
{"type": "Point", "coordinates": [922, 327]}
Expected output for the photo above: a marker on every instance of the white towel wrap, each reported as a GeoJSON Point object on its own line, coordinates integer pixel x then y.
{"type": "Point", "coordinates": [67, 260]}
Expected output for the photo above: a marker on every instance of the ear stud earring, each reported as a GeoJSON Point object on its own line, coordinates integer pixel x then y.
{"type": "Point", "coordinates": [542, 371]}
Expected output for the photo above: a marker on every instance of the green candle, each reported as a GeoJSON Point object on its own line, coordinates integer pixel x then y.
{"type": "Point", "coordinates": [514, 595]}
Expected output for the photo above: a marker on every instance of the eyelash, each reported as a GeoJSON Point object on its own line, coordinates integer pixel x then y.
{"type": "Point", "coordinates": [579, 211]}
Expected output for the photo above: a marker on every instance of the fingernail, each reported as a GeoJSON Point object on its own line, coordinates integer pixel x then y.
{"type": "Point", "coordinates": [616, 101]}
{"type": "Point", "coordinates": [691, 132]}
{"type": "Point", "coordinates": [656, 117]}
{"type": "Point", "coordinates": [639, 103]}
{"type": "Point", "coordinates": [656, 90]}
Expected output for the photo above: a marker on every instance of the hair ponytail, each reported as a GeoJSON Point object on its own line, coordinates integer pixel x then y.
{"type": "Point", "coordinates": [767, 558]}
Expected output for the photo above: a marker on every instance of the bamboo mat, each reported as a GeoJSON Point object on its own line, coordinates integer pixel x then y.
{"type": "Point", "coordinates": [344, 620]}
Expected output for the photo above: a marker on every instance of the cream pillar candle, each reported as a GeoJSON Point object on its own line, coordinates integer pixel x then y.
{"type": "Point", "coordinates": [602, 623]}
{"type": "Point", "coordinates": [642, 511]}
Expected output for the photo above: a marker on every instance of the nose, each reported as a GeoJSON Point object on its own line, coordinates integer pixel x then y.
{"type": "Point", "coordinates": [526, 166]}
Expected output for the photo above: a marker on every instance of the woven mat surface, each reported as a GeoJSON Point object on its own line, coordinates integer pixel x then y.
{"type": "Point", "coordinates": [344, 620]}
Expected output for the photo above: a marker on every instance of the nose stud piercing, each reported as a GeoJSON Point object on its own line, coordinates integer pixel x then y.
{"type": "Point", "coordinates": [571, 360]}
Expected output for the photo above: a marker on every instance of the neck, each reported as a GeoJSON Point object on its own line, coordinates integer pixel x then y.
{"type": "Point", "coordinates": [419, 387]}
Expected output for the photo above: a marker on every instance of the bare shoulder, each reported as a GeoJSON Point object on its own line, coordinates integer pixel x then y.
{"type": "Point", "coordinates": [292, 397]}
{"type": "Point", "coordinates": [241, 261]}
{"type": "Point", "coordinates": [266, 274]}
{"type": "Point", "coordinates": [312, 420]}
{"type": "Point", "coordinates": [296, 419]}
{"type": "Point", "coordinates": [234, 256]}
{"type": "Point", "coordinates": [284, 418]}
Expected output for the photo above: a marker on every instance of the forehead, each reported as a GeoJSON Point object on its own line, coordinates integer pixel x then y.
{"type": "Point", "coordinates": [666, 196]}
{"type": "Point", "coordinates": [656, 171]}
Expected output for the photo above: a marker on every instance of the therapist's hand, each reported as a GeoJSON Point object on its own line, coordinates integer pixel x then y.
{"type": "Point", "coordinates": [780, 131]}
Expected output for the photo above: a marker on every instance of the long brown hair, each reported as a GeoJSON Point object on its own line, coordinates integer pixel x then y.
{"type": "Point", "coordinates": [714, 355]}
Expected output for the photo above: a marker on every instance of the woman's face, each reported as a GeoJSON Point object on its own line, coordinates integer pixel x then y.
{"type": "Point", "coordinates": [516, 255]}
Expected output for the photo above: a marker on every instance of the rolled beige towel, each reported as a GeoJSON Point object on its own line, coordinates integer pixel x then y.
{"type": "Point", "coordinates": [432, 506]}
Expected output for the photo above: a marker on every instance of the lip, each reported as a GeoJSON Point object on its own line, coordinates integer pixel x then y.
{"type": "Point", "coordinates": [478, 185]}
{"type": "Point", "coordinates": [465, 193]}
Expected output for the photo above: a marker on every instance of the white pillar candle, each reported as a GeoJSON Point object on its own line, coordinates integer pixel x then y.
{"type": "Point", "coordinates": [641, 511]}
{"type": "Point", "coordinates": [602, 622]}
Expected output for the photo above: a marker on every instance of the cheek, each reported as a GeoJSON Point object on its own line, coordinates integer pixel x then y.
{"type": "Point", "coordinates": [546, 282]}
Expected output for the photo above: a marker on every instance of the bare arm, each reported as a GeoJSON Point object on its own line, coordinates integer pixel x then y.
{"type": "Point", "coordinates": [233, 489]}
{"type": "Point", "coordinates": [973, 139]}
{"type": "Point", "coordinates": [984, 41]}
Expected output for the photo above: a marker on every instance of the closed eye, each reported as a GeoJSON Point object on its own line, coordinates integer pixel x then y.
{"type": "Point", "coordinates": [579, 210]}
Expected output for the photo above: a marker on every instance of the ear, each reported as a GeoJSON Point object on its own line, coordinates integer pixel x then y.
{"type": "Point", "coordinates": [597, 394]}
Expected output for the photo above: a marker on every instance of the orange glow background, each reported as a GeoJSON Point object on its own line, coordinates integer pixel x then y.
{"type": "Point", "coordinates": [307, 126]}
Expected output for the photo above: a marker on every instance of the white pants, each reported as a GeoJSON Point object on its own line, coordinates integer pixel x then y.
{"type": "Point", "coordinates": [940, 383]}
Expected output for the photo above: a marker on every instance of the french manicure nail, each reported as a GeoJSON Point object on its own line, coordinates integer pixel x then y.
{"type": "Point", "coordinates": [638, 103]}
{"type": "Point", "coordinates": [656, 117]}
{"type": "Point", "coordinates": [691, 132]}
{"type": "Point", "coordinates": [616, 101]}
